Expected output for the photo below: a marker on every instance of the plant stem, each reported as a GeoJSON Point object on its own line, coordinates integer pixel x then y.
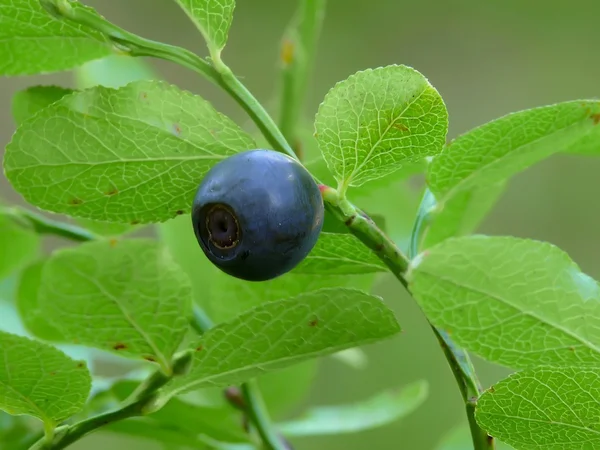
{"type": "Point", "coordinates": [359, 223]}
{"type": "Point", "coordinates": [257, 412]}
{"type": "Point", "coordinates": [140, 403]}
{"type": "Point", "coordinates": [43, 225]}
{"type": "Point", "coordinates": [297, 56]}
{"type": "Point", "coordinates": [253, 404]}
{"type": "Point", "coordinates": [217, 72]}
{"type": "Point", "coordinates": [252, 106]}
{"type": "Point", "coordinates": [458, 359]}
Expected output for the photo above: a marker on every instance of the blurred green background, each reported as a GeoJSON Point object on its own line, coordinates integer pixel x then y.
{"type": "Point", "coordinates": [486, 59]}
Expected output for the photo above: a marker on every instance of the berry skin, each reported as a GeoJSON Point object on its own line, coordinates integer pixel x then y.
{"type": "Point", "coordinates": [257, 214]}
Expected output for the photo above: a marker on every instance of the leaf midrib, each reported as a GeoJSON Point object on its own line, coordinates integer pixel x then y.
{"type": "Point", "coordinates": [42, 414]}
{"type": "Point", "coordinates": [366, 159]}
{"type": "Point", "coordinates": [159, 354]}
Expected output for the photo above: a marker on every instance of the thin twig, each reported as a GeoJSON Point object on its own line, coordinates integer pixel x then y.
{"type": "Point", "coordinates": [297, 56]}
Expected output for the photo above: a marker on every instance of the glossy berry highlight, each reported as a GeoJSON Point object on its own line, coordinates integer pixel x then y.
{"type": "Point", "coordinates": [257, 214]}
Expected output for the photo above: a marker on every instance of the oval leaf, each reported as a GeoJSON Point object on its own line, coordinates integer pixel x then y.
{"type": "Point", "coordinates": [544, 408]}
{"type": "Point", "coordinates": [39, 380]}
{"type": "Point", "coordinates": [32, 41]}
{"type": "Point", "coordinates": [513, 301]}
{"type": "Point", "coordinates": [378, 121]}
{"type": "Point", "coordinates": [130, 155]}
{"type": "Point", "coordinates": [379, 410]}
{"type": "Point", "coordinates": [127, 297]}
{"type": "Point", "coordinates": [213, 19]}
{"type": "Point", "coordinates": [278, 334]}
{"type": "Point", "coordinates": [499, 149]}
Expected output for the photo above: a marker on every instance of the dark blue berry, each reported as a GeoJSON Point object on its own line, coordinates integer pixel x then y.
{"type": "Point", "coordinates": [257, 214]}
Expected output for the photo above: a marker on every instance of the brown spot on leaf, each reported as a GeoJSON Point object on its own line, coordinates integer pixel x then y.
{"type": "Point", "coordinates": [179, 212]}
{"type": "Point", "coordinates": [113, 191]}
{"type": "Point", "coordinates": [113, 243]}
{"type": "Point", "coordinates": [80, 365]}
{"type": "Point", "coordinates": [135, 222]}
{"type": "Point", "coordinates": [350, 221]}
{"type": "Point", "coordinates": [313, 323]}
{"type": "Point", "coordinates": [596, 118]}
{"type": "Point", "coordinates": [199, 348]}
{"type": "Point", "coordinates": [150, 358]}
{"type": "Point", "coordinates": [400, 126]}
{"type": "Point", "coordinates": [75, 201]}
{"type": "Point", "coordinates": [119, 346]}
{"type": "Point", "coordinates": [572, 349]}
{"type": "Point", "coordinates": [176, 129]}
{"type": "Point", "coordinates": [144, 95]}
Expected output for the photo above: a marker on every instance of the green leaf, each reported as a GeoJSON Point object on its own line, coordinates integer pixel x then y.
{"type": "Point", "coordinates": [499, 149]}
{"type": "Point", "coordinates": [39, 380]}
{"type": "Point", "coordinates": [278, 334]}
{"type": "Point", "coordinates": [461, 214]}
{"type": "Point", "coordinates": [213, 19]}
{"type": "Point", "coordinates": [127, 297]}
{"type": "Point", "coordinates": [229, 296]}
{"type": "Point", "coordinates": [515, 302]}
{"type": "Point", "coordinates": [31, 41]}
{"type": "Point", "coordinates": [544, 408]}
{"type": "Point", "coordinates": [19, 245]}
{"type": "Point", "coordinates": [378, 121]}
{"type": "Point", "coordinates": [28, 304]}
{"type": "Point", "coordinates": [69, 159]}
{"type": "Point", "coordinates": [337, 253]}
{"type": "Point", "coordinates": [379, 410]}
{"type": "Point", "coordinates": [27, 102]}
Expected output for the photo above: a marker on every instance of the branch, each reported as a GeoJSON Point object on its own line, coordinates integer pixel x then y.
{"type": "Point", "coordinates": [358, 222]}
{"type": "Point", "coordinates": [140, 403]}
{"type": "Point", "coordinates": [458, 359]}
{"type": "Point", "coordinates": [217, 72]}
{"type": "Point", "coordinates": [298, 50]}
